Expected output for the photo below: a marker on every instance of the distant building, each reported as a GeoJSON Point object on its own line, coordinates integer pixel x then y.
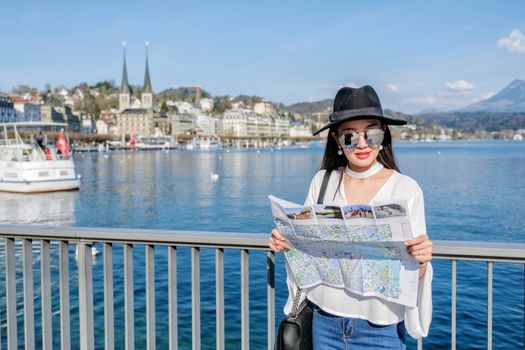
{"type": "Point", "coordinates": [63, 114]}
{"type": "Point", "coordinates": [61, 91]}
{"type": "Point", "coordinates": [102, 127]}
{"type": "Point", "coordinates": [206, 104]}
{"type": "Point", "coordinates": [184, 107]}
{"type": "Point", "coordinates": [244, 122]}
{"type": "Point", "coordinates": [136, 121]}
{"type": "Point", "coordinates": [7, 110]}
{"type": "Point", "coordinates": [27, 111]}
{"type": "Point", "coordinates": [135, 118]}
{"type": "Point", "coordinates": [72, 120]}
{"type": "Point", "coordinates": [263, 126]}
{"type": "Point", "coordinates": [206, 125]}
{"type": "Point", "coordinates": [182, 123]}
{"type": "Point", "coordinates": [162, 124]}
{"type": "Point", "coordinates": [300, 130]}
{"type": "Point", "coordinates": [110, 114]}
{"type": "Point", "coordinates": [107, 127]}
{"type": "Point", "coordinates": [239, 123]}
{"type": "Point", "coordinates": [69, 101]}
{"type": "Point", "coordinates": [88, 125]}
{"type": "Point", "coordinates": [265, 108]}
{"type": "Point", "coordinates": [280, 127]}
{"type": "Point", "coordinates": [49, 114]}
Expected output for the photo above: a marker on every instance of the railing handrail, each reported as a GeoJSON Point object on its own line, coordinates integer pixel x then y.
{"type": "Point", "coordinates": [214, 239]}
{"type": "Point", "coordinates": [442, 249]}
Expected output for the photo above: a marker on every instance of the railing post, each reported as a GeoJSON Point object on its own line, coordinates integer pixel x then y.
{"type": "Point", "coordinates": [45, 276]}
{"type": "Point", "coordinates": [195, 298]}
{"type": "Point", "coordinates": [109, 319]}
{"type": "Point", "coordinates": [245, 300]}
{"type": "Point", "coordinates": [219, 298]}
{"type": "Point", "coordinates": [172, 297]}
{"type": "Point", "coordinates": [270, 264]}
{"type": "Point", "coordinates": [65, 334]}
{"type": "Point", "coordinates": [129, 298]}
{"type": "Point", "coordinates": [150, 297]}
{"type": "Point", "coordinates": [453, 311]}
{"type": "Point", "coordinates": [10, 276]}
{"type": "Point", "coordinates": [85, 296]}
{"type": "Point", "coordinates": [29, 307]}
{"type": "Point", "coordinates": [489, 304]}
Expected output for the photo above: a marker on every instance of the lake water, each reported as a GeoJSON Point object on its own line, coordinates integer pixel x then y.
{"type": "Point", "coordinates": [473, 191]}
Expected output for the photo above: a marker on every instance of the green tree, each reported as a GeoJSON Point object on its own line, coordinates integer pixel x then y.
{"type": "Point", "coordinates": [164, 107]}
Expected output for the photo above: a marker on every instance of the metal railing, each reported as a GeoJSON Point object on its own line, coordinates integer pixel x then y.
{"type": "Point", "coordinates": [244, 242]}
{"type": "Point", "coordinates": [489, 252]}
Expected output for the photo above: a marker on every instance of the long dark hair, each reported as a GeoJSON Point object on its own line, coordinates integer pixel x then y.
{"type": "Point", "coordinates": [333, 161]}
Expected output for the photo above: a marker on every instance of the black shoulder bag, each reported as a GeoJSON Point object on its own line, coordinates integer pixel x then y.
{"type": "Point", "coordinates": [295, 331]}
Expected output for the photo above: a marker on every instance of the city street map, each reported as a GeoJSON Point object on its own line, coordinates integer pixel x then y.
{"type": "Point", "coordinates": [357, 247]}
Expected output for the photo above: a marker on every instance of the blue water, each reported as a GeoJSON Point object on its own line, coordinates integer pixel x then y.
{"type": "Point", "coordinates": [473, 191]}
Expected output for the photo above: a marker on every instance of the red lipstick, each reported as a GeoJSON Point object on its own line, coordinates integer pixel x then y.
{"type": "Point", "coordinates": [362, 155]}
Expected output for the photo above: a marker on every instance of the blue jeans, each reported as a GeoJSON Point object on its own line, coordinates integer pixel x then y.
{"type": "Point", "coordinates": [344, 333]}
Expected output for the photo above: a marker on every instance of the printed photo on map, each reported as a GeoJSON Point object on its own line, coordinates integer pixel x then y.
{"type": "Point", "coordinates": [358, 212]}
{"type": "Point", "coordinates": [300, 213]}
{"type": "Point", "coordinates": [328, 212]}
{"type": "Point", "coordinates": [390, 210]}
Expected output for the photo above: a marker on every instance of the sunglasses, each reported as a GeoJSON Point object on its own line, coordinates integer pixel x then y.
{"type": "Point", "coordinates": [373, 137]}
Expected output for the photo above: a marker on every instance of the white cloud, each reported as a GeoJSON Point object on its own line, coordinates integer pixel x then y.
{"type": "Point", "coordinates": [515, 42]}
{"type": "Point", "coordinates": [459, 85]}
{"type": "Point", "coordinates": [393, 87]}
{"type": "Point", "coordinates": [455, 93]}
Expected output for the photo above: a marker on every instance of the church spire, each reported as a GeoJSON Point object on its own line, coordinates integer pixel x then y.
{"type": "Point", "coordinates": [147, 80]}
{"type": "Point", "coordinates": [124, 88]}
{"type": "Point", "coordinates": [147, 93]}
{"type": "Point", "coordinates": [124, 96]}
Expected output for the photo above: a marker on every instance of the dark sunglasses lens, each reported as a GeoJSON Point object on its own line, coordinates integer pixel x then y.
{"type": "Point", "coordinates": [350, 140]}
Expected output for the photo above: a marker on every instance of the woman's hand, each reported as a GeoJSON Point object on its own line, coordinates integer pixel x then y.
{"type": "Point", "coordinates": [421, 249]}
{"type": "Point", "coordinates": [277, 242]}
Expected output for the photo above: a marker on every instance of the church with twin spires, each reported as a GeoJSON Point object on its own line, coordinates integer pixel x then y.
{"type": "Point", "coordinates": [136, 118]}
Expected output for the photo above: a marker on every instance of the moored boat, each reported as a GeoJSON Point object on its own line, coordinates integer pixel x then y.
{"type": "Point", "coordinates": [34, 165]}
{"type": "Point", "coordinates": [204, 143]}
{"type": "Point", "coordinates": [155, 142]}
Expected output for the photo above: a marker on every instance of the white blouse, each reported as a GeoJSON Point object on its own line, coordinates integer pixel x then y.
{"type": "Point", "coordinates": [341, 302]}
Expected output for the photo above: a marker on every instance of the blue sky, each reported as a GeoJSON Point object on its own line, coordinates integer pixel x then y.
{"type": "Point", "coordinates": [417, 54]}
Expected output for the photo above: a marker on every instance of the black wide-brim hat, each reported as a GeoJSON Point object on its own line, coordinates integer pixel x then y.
{"type": "Point", "coordinates": [357, 103]}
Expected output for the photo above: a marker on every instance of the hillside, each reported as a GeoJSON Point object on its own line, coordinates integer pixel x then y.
{"type": "Point", "coordinates": [472, 121]}
{"type": "Point", "coordinates": [309, 109]}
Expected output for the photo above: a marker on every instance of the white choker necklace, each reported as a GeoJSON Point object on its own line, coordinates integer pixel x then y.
{"type": "Point", "coordinates": [365, 174]}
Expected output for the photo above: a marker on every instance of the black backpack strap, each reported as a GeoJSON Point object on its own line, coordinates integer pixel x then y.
{"type": "Point", "coordinates": [323, 186]}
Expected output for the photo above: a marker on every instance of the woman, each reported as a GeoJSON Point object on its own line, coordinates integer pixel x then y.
{"type": "Point", "coordinates": [363, 169]}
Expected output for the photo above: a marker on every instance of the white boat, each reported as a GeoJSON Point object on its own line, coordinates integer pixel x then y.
{"type": "Point", "coordinates": [29, 167]}
{"type": "Point", "coordinates": [204, 142]}
{"type": "Point", "coordinates": [155, 142]}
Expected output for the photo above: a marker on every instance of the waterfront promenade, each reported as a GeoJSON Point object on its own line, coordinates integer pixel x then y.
{"type": "Point", "coordinates": [18, 248]}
